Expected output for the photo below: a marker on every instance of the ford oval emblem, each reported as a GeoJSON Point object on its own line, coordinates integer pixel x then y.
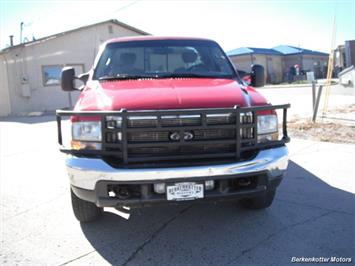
{"type": "Point", "coordinates": [176, 136]}
{"type": "Point", "coordinates": [188, 136]}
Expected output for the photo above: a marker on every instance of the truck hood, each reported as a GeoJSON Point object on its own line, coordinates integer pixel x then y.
{"type": "Point", "coordinates": [155, 94]}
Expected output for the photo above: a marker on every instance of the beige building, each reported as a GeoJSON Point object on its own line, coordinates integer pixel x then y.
{"type": "Point", "coordinates": [278, 61]}
{"type": "Point", "coordinates": [30, 72]}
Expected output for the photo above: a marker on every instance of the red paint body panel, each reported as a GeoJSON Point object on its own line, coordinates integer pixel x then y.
{"type": "Point", "coordinates": [158, 94]}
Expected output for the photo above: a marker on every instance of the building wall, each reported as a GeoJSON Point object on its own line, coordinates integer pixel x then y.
{"type": "Point", "coordinates": [350, 53]}
{"type": "Point", "coordinates": [291, 60]}
{"type": "Point", "coordinates": [271, 63]}
{"type": "Point", "coordinates": [274, 69]}
{"type": "Point", "coordinates": [315, 63]}
{"type": "Point", "coordinates": [339, 57]}
{"type": "Point", "coordinates": [309, 61]}
{"type": "Point", "coordinates": [5, 107]}
{"type": "Point", "coordinates": [25, 65]}
{"type": "Point", "coordinates": [242, 62]}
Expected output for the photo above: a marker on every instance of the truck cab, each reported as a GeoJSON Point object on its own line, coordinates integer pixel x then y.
{"type": "Point", "coordinates": [169, 120]}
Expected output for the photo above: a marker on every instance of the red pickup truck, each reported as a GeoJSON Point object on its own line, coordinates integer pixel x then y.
{"type": "Point", "coordinates": [169, 120]}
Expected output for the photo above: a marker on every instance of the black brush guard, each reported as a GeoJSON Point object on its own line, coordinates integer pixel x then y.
{"type": "Point", "coordinates": [119, 150]}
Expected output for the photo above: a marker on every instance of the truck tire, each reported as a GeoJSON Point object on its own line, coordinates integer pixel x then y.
{"type": "Point", "coordinates": [260, 202]}
{"type": "Point", "coordinates": [84, 211]}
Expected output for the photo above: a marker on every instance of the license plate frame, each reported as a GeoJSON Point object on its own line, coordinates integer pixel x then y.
{"type": "Point", "coordinates": [183, 191]}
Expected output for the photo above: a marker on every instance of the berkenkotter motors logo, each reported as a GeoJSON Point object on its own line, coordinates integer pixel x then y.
{"type": "Point", "coordinates": [321, 260]}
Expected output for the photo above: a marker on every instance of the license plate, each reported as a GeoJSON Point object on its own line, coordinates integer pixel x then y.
{"type": "Point", "coordinates": [184, 191]}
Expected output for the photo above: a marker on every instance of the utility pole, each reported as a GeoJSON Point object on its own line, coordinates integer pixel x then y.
{"type": "Point", "coordinates": [330, 68]}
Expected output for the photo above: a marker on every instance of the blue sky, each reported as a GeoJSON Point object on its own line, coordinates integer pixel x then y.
{"type": "Point", "coordinates": [233, 24]}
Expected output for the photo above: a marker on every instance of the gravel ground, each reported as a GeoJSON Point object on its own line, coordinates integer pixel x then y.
{"type": "Point", "coordinates": [329, 130]}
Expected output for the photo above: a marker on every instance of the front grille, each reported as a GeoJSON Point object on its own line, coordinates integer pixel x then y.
{"type": "Point", "coordinates": [178, 120]}
{"type": "Point", "coordinates": [148, 136]}
{"type": "Point", "coordinates": [179, 135]}
{"type": "Point", "coordinates": [188, 135]}
{"type": "Point", "coordinates": [181, 150]}
{"type": "Point", "coordinates": [159, 136]}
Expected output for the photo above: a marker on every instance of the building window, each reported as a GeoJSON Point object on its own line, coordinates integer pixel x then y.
{"type": "Point", "coordinates": [51, 75]}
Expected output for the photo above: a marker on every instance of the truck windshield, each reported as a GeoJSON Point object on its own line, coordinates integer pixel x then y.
{"type": "Point", "coordinates": [163, 59]}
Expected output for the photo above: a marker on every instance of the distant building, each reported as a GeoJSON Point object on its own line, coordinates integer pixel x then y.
{"type": "Point", "coordinates": [344, 55]}
{"type": "Point", "coordinates": [30, 72]}
{"type": "Point", "coordinates": [344, 63]}
{"type": "Point", "coordinates": [349, 53]}
{"type": "Point", "coordinates": [279, 60]}
{"type": "Point", "coordinates": [339, 59]}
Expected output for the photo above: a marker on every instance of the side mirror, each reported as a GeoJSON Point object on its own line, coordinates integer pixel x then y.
{"type": "Point", "coordinates": [257, 76]}
{"type": "Point", "coordinates": [247, 79]}
{"type": "Point", "coordinates": [67, 79]}
{"type": "Point", "coordinates": [84, 77]}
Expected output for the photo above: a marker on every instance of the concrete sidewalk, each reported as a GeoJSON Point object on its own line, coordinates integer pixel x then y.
{"type": "Point", "coordinates": [295, 85]}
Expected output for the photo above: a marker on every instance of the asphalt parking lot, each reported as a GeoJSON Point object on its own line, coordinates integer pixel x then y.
{"type": "Point", "coordinates": [312, 215]}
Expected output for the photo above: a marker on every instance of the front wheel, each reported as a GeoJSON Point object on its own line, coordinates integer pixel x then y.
{"type": "Point", "coordinates": [260, 202]}
{"type": "Point", "coordinates": [84, 211]}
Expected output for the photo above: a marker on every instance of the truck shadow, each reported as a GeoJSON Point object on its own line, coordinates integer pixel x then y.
{"type": "Point", "coordinates": [307, 218]}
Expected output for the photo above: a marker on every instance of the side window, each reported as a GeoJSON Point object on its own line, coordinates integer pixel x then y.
{"type": "Point", "coordinates": [51, 75]}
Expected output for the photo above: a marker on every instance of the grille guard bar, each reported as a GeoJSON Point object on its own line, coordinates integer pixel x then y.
{"type": "Point", "coordinates": [124, 145]}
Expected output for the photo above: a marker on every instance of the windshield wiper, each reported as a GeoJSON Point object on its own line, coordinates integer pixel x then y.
{"type": "Point", "coordinates": [123, 77]}
{"type": "Point", "coordinates": [185, 75]}
{"type": "Point", "coordinates": [160, 76]}
{"type": "Point", "coordinates": [190, 75]}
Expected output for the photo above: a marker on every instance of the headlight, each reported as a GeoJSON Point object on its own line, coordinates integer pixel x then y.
{"type": "Point", "coordinates": [87, 131]}
{"type": "Point", "coordinates": [267, 124]}
{"type": "Point", "coordinates": [267, 128]}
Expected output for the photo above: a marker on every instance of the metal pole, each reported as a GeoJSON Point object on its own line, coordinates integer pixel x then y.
{"type": "Point", "coordinates": [70, 100]}
{"type": "Point", "coordinates": [315, 111]}
{"type": "Point", "coordinates": [313, 94]}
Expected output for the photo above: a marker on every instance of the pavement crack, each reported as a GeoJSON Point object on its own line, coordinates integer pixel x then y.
{"type": "Point", "coordinates": [260, 243]}
{"type": "Point", "coordinates": [139, 248]}
{"type": "Point", "coordinates": [153, 236]}
{"type": "Point", "coordinates": [77, 258]}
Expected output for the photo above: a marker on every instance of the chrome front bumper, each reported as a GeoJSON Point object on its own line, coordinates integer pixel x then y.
{"type": "Point", "coordinates": [85, 172]}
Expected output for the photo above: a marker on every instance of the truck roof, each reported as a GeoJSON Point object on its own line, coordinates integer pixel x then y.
{"type": "Point", "coordinates": [151, 38]}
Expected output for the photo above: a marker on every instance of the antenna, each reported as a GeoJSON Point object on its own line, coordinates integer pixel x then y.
{"type": "Point", "coordinates": [11, 40]}
{"type": "Point", "coordinates": [21, 29]}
